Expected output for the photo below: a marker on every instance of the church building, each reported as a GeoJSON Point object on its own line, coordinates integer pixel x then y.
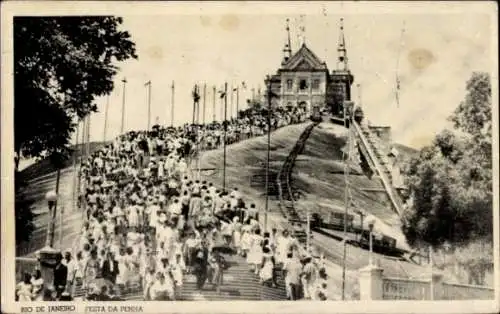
{"type": "Point", "coordinates": [303, 80]}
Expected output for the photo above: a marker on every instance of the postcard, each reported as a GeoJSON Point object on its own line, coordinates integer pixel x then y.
{"type": "Point", "coordinates": [249, 157]}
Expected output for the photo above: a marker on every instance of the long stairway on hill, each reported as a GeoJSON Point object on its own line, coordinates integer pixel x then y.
{"type": "Point", "coordinates": [372, 149]}
{"type": "Point", "coordinates": [239, 283]}
{"type": "Point", "coordinates": [286, 193]}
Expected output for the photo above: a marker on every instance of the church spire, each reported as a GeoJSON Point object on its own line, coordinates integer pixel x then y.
{"type": "Point", "coordinates": [341, 49]}
{"type": "Point", "coordinates": [287, 51]}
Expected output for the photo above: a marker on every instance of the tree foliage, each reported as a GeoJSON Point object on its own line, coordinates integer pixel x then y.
{"type": "Point", "coordinates": [61, 65]}
{"type": "Point", "coordinates": [450, 181]}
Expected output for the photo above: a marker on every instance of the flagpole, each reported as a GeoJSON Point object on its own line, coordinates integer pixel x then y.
{"type": "Point", "coordinates": [148, 84]}
{"type": "Point", "coordinates": [194, 104]}
{"type": "Point", "coordinates": [198, 129]}
{"type": "Point", "coordinates": [204, 100]}
{"type": "Point", "coordinates": [172, 105]}
{"type": "Point", "coordinates": [88, 135]}
{"type": "Point", "coordinates": [124, 81]}
{"type": "Point", "coordinates": [232, 108]}
{"type": "Point", "coordinates": [75, 172]}
{"type": "Point", "coordinates": [213, 104]}
{"type": "Point", "coordinates": [237, 101]}
{"type": "Point", "coordinates": [221, 115]}
{"type": "Point", "coordinates": [105, 120]}
{"type": "Point", "coordinates": [225, 131]}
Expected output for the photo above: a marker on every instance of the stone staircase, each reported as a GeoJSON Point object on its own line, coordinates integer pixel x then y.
{"type": "Point", "coordinates": [239, 283]}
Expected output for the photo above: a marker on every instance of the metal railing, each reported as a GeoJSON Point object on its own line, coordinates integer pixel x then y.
{"type": "Point", "coordinates": [391, 192]}
{"type": "Point", "coordinates": [415, 289]}
{"type": "Point", "coordinates": [466, 292]}
{"type": "Point", "coordinates": [406, 289]}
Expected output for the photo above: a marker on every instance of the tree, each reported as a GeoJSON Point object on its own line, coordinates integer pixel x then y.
{"type": "Point", "coordinates": [473, 115]}
{"type": "Point", "coordinates": [61, 64]}
{"type": "Point", "coordinates": [451, 180]}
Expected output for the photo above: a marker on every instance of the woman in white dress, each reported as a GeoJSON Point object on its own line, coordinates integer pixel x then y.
{"type": "Point", "coordinates": [266, 272]}
{"type": "Point", "coordinates": [133, 217]}
{"type": "Point", "coordinates": [122, 277]}
{"type": "Point", "coordinates": [255, 254]}
{"type": "Point", "coordinates": [24, 289]}
{"type": "Point", "coordinates": [246, 240]}
{"type": "Point", "coordinates": [237, 234]}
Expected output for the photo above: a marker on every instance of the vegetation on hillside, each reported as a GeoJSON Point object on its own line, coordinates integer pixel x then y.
{"type": "Point", "coordinates": [61, 64]}
{"type": "Point", "coordinates": [450, 181]}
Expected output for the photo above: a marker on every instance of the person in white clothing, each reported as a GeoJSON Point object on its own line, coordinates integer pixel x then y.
{"type": "Point", "coordinates": [161, 289]}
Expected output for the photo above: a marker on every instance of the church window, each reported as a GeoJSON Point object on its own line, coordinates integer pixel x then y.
{"type": "Point", "coordinates": [315, 84]}
{"type": "Point", "coordinates": [303, 85]}
{"type": "Point", "coordinates": [289, 84]}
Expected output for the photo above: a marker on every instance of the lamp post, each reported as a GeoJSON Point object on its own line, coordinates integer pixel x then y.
{"type": "Point", "coordinates": [371, 223]}
{"type": "Point", "coordinates": [48, 255]}
{"type": "Point", "coordinates": [51, 198]}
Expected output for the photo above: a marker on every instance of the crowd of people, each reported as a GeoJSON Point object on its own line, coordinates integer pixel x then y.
{"type": "Point", "coordinates": [149, 222]}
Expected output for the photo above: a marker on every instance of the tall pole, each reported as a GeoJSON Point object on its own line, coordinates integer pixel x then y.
{"type": "Point", "coordinates": [172, 105]}
{"type": "Point", "coordinates": [268, 81]}
{"type": "Point", "coordinates": [225, 132]}
{"type": "Point", "coordinates": [61, 213]}
{"type": "Point", "coordinates": [237, 101]}
{"type": "Point", "coordinates": [105, 120]}
{"type": "Point", "coordinates": [88, 135]}
{"type": "Point", "coordinates": [213, 103]}
{"type": "Point", "coordinates": [222, 101]}
{"type": "Point", "coordinates": [84, 136]}
{"type": "Point", "coordinates": [124, 81]}
{"type": "Point", "coordinates": [195, 90]}
{"type": "Point", "coordinates": [52, 214]}
{"type": "Point", "coordinates": [148, 84]}
{"type": "Point", "coordinates": [204, 101]}
{"type": "Point", "coordinates": [76, 180]}
{"type": "Point", "coordinates": [198, 129]}
{"type": "Point", "coordinates": [346, 194]}
{"type": "Point", "coordinates": [232, 107]}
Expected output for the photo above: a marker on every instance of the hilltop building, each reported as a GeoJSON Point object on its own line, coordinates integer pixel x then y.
{"type": "Point", "coordinates": [303, 80]}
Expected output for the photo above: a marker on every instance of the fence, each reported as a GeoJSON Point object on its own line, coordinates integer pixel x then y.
{"type": "Point", "coordinates": [374, 286]}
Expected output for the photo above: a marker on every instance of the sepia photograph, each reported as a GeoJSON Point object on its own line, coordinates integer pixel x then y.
{"type": "Point", "coordinates": [248, 152]}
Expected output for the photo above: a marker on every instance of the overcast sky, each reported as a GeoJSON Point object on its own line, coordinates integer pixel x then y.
{"type": "Point", "coordinates": [439, 52]}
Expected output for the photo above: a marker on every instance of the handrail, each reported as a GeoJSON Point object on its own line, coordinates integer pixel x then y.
{"type": "Point", "coordinates": [395, 200]}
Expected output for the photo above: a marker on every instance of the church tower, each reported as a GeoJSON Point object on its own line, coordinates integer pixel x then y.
{"type": "Point", "coordinates": [287, 50]}
{"type": "Point", "coordinates": [341, 77]}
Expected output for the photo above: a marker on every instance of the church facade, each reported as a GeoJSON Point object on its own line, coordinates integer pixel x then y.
{"type": "Point", "coordinates": [304, 81]}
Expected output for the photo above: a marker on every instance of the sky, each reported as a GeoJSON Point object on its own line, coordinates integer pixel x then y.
{"type": "Point", "coordinates": [437, 54]}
